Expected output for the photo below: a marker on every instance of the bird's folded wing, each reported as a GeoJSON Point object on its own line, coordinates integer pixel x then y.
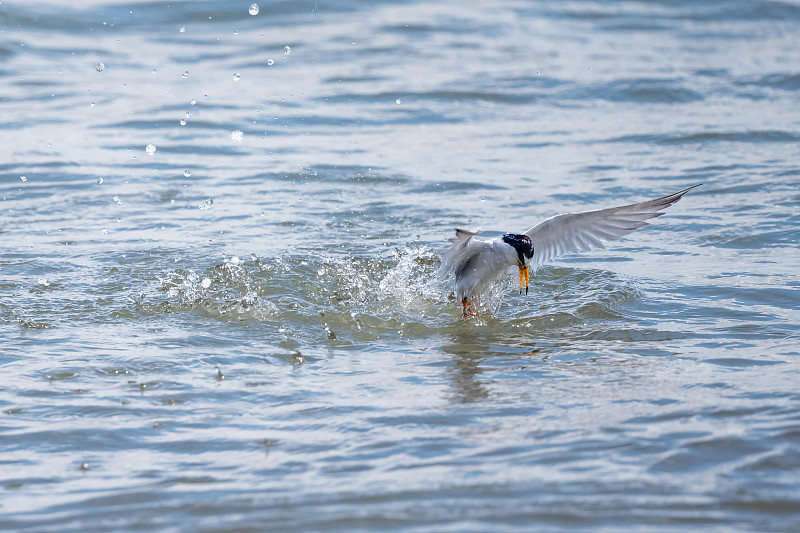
{"type": "Point", "coordinates": [579, 232]}
{"type": "Point", "coordinates": [461, 246]}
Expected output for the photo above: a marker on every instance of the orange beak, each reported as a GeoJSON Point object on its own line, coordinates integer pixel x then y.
{"type": "Point", "coordinates": [524, 277]}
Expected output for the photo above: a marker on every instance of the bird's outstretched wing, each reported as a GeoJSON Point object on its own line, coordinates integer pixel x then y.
{"type": "Point", "coordinates": [461, 246]}
{"type": "Point", "coordinates": [579, 232]}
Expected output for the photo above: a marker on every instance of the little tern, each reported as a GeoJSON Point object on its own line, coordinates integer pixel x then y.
{"type": "Point", "coordinates": [475, 263]}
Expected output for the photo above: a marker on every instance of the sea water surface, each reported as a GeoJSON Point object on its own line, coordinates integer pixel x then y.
{"type": "Point", "coordinates": [219, 227]}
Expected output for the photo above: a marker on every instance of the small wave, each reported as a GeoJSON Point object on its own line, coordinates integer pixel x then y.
{"type": "Point", "coordinates": [636, 90]}
{"type": "Point", "coordinates": [706, 137]}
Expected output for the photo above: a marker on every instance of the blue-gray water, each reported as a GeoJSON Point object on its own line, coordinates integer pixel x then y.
{"type": "Point", "coordinates": [244, 335]}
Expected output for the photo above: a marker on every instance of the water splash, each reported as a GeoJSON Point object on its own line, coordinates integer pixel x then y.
{"type": "Point", "coordinates": [226, 292]}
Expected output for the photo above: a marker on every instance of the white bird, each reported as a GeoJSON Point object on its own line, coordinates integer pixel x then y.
{"type": "Point", "coordinates": [475, 263]}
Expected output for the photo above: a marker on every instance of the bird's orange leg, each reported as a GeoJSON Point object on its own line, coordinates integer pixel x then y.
{"type": "Point", "coordinates": [466, 305]}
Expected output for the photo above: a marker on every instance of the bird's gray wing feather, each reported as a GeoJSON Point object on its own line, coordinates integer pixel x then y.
{"type": "Point", "coordinates": [461, 247]}
{"type": "Point", "coordinates": [579, 232]}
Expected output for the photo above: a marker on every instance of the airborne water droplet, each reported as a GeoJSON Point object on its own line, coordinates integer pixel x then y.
{"type": "Point", "coordinates": [236, 76]}
{"type": "Point", "coordinates": [187, 173]}
{"type": "Point", "coordinates": [253, 9]}
{"type": "Point", "coordinates": [100, 180]}
{"type": "Point", "coordinates": [193, 101]}
{"type": "Point", "coordinates": [185, 74]}
{"type": "Point", "coordinates": [183, 122]}
{"type": "Point", "coordinates": [270, 62]}
{"type": "Point", "coordinates": [150, 149]}
{"type": "Point", "coordinates": [237, 136]}
{"type": "Point", "coordinates": [287, 50]}
{"type": "Point", "coordinates": [206, 204]}
{"type": "Point", "coordinates": [44, 281]}
{"type": "Point", "coordinates": [182, 29]}
{"type": "Point", "coordinates": [100, 67]}
{"type": "Point", "coordinates": [23, 178]}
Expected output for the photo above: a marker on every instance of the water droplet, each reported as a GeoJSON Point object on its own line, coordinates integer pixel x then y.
{"type": "Point", "coordinates": [85, 466]}
{"type": "Point", "coordinates": [183, 122]}
{"type": "Point", "coordinates": [236, 76]}
{"type": "Point", "coordinates": [237, 136]}
{"type": "Point", "coordinates": [150, 149]}
{"type": "Point", "coordinates": [287, 50]}
{"type": "Point", "coordinates": [270, 62]}
{"type": "Point", "coordinates": [117, 200]}
{"type": "Point", "coordinates": [253, 9]}
{"type": "Point", "coordinates": [398, 101]}
{"type": "Point", "coordinates": [100, 67]}
{"type": "Point", "coordinates": [206, 204]}
{"type": "Point", "coordinates": [92, 105]}
{"type": "Point", "coordinates": [100, 181]}
{"type": "Point", "coordinates": [23, 178]}
{"type": "Point", "coordinates": [206, 283]}
{"type": "Point", "coordinates": [44, 281]}
{"type": "Point", "coordinates": [104, 231]}
{"type": "Point", "coordinates": [193, 101]}
{"type": "Point", "coordinates": [236, 32]}
{"type": "Point", "coordinates": [187, 173]}
{"type": "Point", "coordinates": [263, 213]}
{"type": "Point", "coordinates": [188, 115]}
{"type": "Point", "coordinates": [235, 260]}
{"type": "Point", "coordinates": [185, 74]}
{"type": "Point", "coordinates": [182, 29]}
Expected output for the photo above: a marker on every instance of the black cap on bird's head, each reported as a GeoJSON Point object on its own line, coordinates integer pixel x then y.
{"type": "Point", "coordinates": [522, 244]}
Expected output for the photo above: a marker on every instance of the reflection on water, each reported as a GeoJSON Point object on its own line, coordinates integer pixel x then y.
{"type": "Point", "coordinates": [220, 226]}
